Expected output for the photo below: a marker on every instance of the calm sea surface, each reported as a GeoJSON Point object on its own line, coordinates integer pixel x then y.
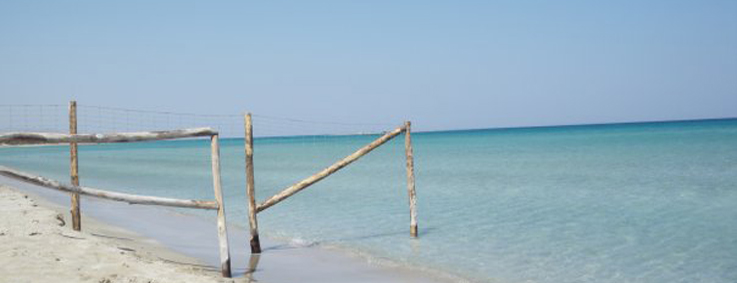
{"type": "Point", "coordinates": [651, 202]}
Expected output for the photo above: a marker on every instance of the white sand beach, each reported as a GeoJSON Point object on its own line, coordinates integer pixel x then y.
{"type": "Point", "coordinates": [132, 244]}
{"type": "Point", "coordinates": [37, 244]}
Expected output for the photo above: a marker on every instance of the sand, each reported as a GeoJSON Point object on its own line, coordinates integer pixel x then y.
{"type": "Point", "coordinates": [38, 245]}
{"type": "Point", "coordinates": [157, 233]}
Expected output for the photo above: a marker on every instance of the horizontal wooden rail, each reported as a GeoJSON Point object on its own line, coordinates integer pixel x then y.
{"type": "Point", "coordinates": [129, 198]}
{"type": "Point", "coordinates": [293, 189]}
{"type": "Point", "coordinates": [56, 138]}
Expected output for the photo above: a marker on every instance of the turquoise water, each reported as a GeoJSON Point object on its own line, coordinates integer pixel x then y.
{"type": "Point", "coordinates": [651, 202]}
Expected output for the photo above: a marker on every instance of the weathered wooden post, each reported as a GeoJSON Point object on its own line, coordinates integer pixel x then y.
{"type": "Point", "coordinates": [250, 187]}
{"type": "Point", "coordinates": [410, 180]}
{"type": "Point", "coordinates": [222, 230]}
{"type": "Point", "coordinates": [76, 219]}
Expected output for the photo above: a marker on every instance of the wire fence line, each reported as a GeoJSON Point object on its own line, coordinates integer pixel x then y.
{"type": "Point", "coordinates": [105, 119]}
{"type": "Point", "coordinates": [309, 146]}
{"type": "Point", "coordinates": [319, 141]}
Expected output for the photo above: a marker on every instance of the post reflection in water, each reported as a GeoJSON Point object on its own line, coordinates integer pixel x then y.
{"type": "Point", "coordinates": [252, 265]}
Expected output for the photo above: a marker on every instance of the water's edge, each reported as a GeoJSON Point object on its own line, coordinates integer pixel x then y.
{"type": "Point", "coordinates": [281, 261]}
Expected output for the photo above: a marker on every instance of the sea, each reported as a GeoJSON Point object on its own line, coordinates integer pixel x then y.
{"type": "Point", "coordinates": [636, 202]}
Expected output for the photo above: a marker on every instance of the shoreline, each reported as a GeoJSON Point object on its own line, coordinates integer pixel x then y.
{"type": "Point", "coordinates": [38, 245]}
{"type": "Point", "coordinates": [194, 237]}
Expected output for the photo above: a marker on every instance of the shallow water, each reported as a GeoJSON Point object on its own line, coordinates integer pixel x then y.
{"type": "Point", "coordinates": [652, 202]}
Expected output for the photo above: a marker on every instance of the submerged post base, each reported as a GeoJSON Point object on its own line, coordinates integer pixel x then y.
{"type": "Point", "coordinates": [255, 245]}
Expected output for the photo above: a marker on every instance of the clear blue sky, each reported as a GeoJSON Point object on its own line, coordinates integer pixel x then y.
{"type": "Point", "coordinates": [442, 64]}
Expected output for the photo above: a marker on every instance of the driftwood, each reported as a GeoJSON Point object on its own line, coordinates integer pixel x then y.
{"type": "Point", "coordinates": [56, 138]}
{"type": "Point", "coordinates": [217, 187]}
{"type": "Point", "coordinates": [74, 167]}
{"type": "Point", "coordinates": [251, 187]}
{"type": "Point", "coordinates": [410, 179]}
{"type": "Point", "coordinates": [329, 170]}
{"type": "Point", "coordinates": [129, 198]}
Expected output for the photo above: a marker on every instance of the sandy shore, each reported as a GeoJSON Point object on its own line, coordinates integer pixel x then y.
{"type": "Point", "coordinates": [155, 233]}
{"type": "Point", "coordinates": [38, 245]}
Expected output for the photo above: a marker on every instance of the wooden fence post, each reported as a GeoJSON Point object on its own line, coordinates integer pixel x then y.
{"type": "Point", "coordinates": [222, 230]}
{"type": "Point", "coordinates": [410, 180]}
{"type": "Point", "coordinates": [76, 218]}
{"type": "Point", "coordinates": [251, 188]}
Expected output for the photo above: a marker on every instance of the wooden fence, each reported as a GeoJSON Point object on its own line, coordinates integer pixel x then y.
{"type": "Point", "coordinates": [254, 209]}
{"type": "Point", "coordinates": [75, 189]}
{"type": "Point", "coordinates": [73, 138]}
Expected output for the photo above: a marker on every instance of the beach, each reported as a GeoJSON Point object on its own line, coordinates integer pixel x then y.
{"type": "Point", "coordinates": [156, 242]}
{"type": "Point", "coordinates": [647, 202]}
{"type": "Point", "coordinates": [38, 245]}
{"type": "Point", "coordinates": [368, 141]}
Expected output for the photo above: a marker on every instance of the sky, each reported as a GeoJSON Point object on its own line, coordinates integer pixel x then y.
{"type": "Point", "coordinates": [442, 64]}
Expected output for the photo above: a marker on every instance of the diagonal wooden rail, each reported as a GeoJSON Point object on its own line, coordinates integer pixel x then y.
{"type": "Point", "coordinates": [301, 185]}
{"type": "Point", "coordinates": [104, 194]}
{"type": "Point", "coordinates": [254, 209]}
